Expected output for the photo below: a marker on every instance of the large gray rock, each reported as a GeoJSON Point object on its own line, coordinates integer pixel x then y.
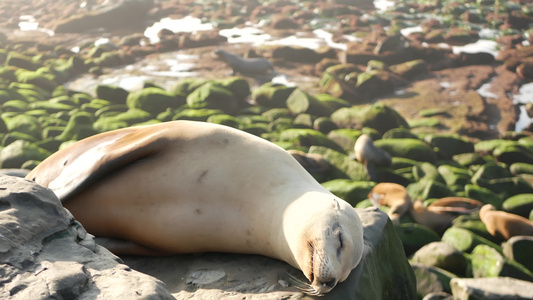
{"type": "Point", "coordinates": [500, 288]}
{"type": "Point", "coordinates": [46, 254]}
{"type": "Point", "coordinates": [383, 274]}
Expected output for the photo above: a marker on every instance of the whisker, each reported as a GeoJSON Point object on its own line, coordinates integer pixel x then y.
{"type": "Point", "coordinates": [302, 285]}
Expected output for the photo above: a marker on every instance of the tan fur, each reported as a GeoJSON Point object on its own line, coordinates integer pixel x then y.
{"type": "Point", "coordinates": [186, 187]}
{"type": "Point", "coordinates": [503, 224]}
{"type": "Point", "coordinates": [393, 195]}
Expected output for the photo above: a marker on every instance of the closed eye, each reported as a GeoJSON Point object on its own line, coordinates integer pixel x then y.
{"type": "Point", "coordinates": [341, 244]}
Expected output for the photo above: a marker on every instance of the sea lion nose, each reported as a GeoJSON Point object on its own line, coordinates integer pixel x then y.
{"type": "Point", "coordinates": [331, 284]}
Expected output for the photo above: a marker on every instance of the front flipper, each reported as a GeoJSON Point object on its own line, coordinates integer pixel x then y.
{"type": "Point", "coordinates": [74, 168]}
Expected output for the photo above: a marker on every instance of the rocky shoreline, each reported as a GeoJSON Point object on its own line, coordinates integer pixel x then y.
{"type": "Point", "coordinates": [447, 118]}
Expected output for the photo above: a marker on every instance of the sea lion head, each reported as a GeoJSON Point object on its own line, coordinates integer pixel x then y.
{"type": "Point", "coordinates": [333, 247]}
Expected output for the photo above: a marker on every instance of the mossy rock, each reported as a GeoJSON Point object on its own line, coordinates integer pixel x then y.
{"type": "Point", "coordinates": [488, 146]}
{"type": "Point", "coordinates": [272, 95]}
{"type": "Point", "coordinates": [442, 255]}
{"type": "Point", "coordinates": [453, 175]}
{"type": "Point", "coordinates": [520, 204]}
{"type": "Point", "coordinates": [188, 85]}
{"type": "Point", "coordinates": [224, 119]}
{"type": "Point", "coordinates": [465, 240]}
{"type": "Point", "coordinates": [488, 262]}
{"type": "Point", "coordinates": [483, 194]}
{"type": "Point", "coordinates": [304, 121]}
{"type": "Point", "coordinates": [128, 118]}
{"type": "Point", "coordinates": [51, 107]}
{"type": "Point", "coordinates": [324, 125]}
{"type": "Point", "coordinates": [519, 249]}
{"type": "Point", "coordinates": [276, 113]}
{"type": "Point", "coordinates": [280, 125]}
{"type": "Point", "coordinates": [25, 124]}
{"type": "Point", "coordinates": [308, 138]}
{"type": "Point", "coordinates": [490, 171]}
{"type": "Point", "coordinates": [82, 98]}
{"type": "Point", "coordinates": [345, 138]}
{"type": "Point", "coordinates": [79, 127]}
{"type": "Point", "coordinates": [332, 103]}
{"type": "Point", "coordinates": [111, 110]}
{"type": "Point", "coordinates": [521, 168]}
{"type": "Point", "coordinates": [11, 137]}
{"type": "Point", "coordinates": [429, 189]}
{"type": "Point", "coordinates": [343, 167]}
{"type": "Point", "coordinates": [449, 145]}
{"type": "Point", "coordinates": [376, 116]}
{"type": "Point", "coordinates": [431, 279]}
{"type": "Point", "coordinates": [402, 163]}
{"type": "Point", "coordinates": [213, 96]}
{"type": "Point", "coordinates": [239, 87]}
{"type": "Point", "coordinates": [408, 148]}
{"type": "Point", "coordinates": [351, 191]}
{"type": "Point", "coordinates": [15, 106]}
{"type": "Point", "coordinates": [510, 154]}
{"type": "Point", "coordinates": [113, 94]}
{"type": "Point", "coordinates": [474, 224]}
{"type": "Point", "coordinates": [65, 99]}
{"type": "Point", "coordinates": [399, 133]}
{"type": "Point", "coordinates": [426, 171]}
{"type": "Point", "coordinates": [153, 100]}
{"type": "Point", "coordinates": [22, 61]}
{"type": "Point", "coordinates": [507, 187]}
{"type": "Point", "coordinates": [257, 129]}
{"type": "Point", "coordinates": [414, 236]}
{"type": "Point", "coordinates": [196, 114]}
{"type": "Point", "coordinates": [44, 81]}
{"type": "Point", "coordinates": [50, 144]}
{"type": "Point", "coordinates": [300, 102]}
{"type": "Point", "coordinates": [374, 83]}
{"type": "Point", "coordinates": [411, 69]}
{"type": "Point", "coordinates": [17, 153]}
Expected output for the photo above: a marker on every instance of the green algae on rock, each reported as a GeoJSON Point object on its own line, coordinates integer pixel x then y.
{"type": "Point", "coordinates": [376, 116]}
{"type": "Point", "coordinates": [488, 262]}
{"type": "Point", "coordinates": [414, 236]}
{"type": "Point", "coordinates": [408, 148]}
{"type": "Point", "coordinates": [465, 240]}
{"type": "Point", "coordinates": [351, 191]}
{"type": "Point", "coordinates": [521, 204]}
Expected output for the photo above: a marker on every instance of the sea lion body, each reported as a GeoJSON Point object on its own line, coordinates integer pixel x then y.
{"type": "Point", "coordinates": [188, 187]}
{"type": "Point", "coordinates": [256, 65]}
{"type": "Point", "coordinates": [503, 224]}
{"type": "Point", "coordinates": [393, 195]}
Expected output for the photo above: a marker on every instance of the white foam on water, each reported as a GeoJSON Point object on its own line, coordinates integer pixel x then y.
{"type": "Point", "coordinates": [187, 24]}
{"type": "Point", "coordinates": [480, 45]}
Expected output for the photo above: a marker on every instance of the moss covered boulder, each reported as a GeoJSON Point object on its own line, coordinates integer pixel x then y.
{"type": "Point", "coordinates": [22, 61]}
{"type": "Point", "coordinates": [431, 279]}
{"type": "Point", "coordinates": [488, 262]}
{"type": "Point", "coordinates": [343, 166]}
{"type": "Point", "coordinates": [224, 119]}
{"type": "Point", "coordinates": [351, 191]}
{"type": "Point", "coordinates": [414, 236]}
{"type": "Point", "coordinates": [239, 87]}
{"type": "Point", "coordinates": [345, 138]}
{"type": "Point", "coordinates": [376, 116]}
{"type": "Point", "coordinates": [465, 240]}
{"type": "Point", "coordinates": [113, 94]}
{"type": "Point", "coordinates": [308, 138]}
{"type": "Point", "coordinates": [79, 127]}
{"type": "Point", "coordinates": [408, 148]}
{"type": "Point", "coordinates": [300, 101]}
{"type": "Point", "coordinates": [513, 153]}
{"type": "Point", "coordinates": [25, 124]}
{"type": "Point", "coordinates": [442, 255]}
{"type": "Point", "coordinates": [448, 145]}
{"type": "Point", "coordinates": [17, 153]}
{"type": "Point", "coordinates": [153, 100]}
{"type": "Point", "coordinates": [520, 204]}
{"type": "Point", "coordinates": [411, 69]}
{"type": "Point", "coordinates": [272, 95]}
{"type": "Point", "coordinates": [520, 249]}
{"type": "Point", "coordinates": [213, 96]}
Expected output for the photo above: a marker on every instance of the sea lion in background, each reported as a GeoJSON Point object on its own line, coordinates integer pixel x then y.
{"type": "Point", "coordinates": [312, 163]}
{"type": "Point", "coordinates": [440, 214]}
{"type": "Point", "coordinates": [256, 65]}
{"type": "Point", "coordinates": [393, 195]}
{"type": "Point", "coordinates": [189, 187]}
{"type": "Point", "coordinates": [370, 155]}
{"type": "Point", "coordinates": [503, 224]}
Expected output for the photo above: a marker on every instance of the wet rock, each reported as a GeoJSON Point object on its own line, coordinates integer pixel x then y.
{"type": "Point", "coordinates": [44, 81]}
{"type": "Point", "coordinates": [442, 255]}
{"type": "Point", "coordinates": [117, 15]}
{"type": "Point", "coordinates": [521, 168]}
{"type": "Point", "coordinates": [19, 60]}
{"type": "Point", "coordinates": [79, 127]}
{"type": "Point", "coordinates": [239, 87]}
{"type": "Point", "coordinates": [154, 100]}
{"type": "Point", "coordinates": [375, 83]}
{"type": "Point", "coordinates": [52, 256]}
{"type": "Point", "coordinates": [480, 58]}
{"type": "Point", "coordinates": [324, 125]}
{"type": "Point", "coordinates": [337, 86]}
{"type": "Point", "coordinates": [411, 69]}
{"type": "Point", "coordinates": [454, 176]}
{"type": "Point", "coordinates": [426, 171]}
{"type": "Point", "coordinates": [376, 116]}
{"type": "Point", "coordinates": [113, 94]}
{"type": "Point", "coordinates": [488, 262]}
{"type": "Point", "coordinates": [491, 288]}
{"type": "Point", "coordinates": [224, 119]}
